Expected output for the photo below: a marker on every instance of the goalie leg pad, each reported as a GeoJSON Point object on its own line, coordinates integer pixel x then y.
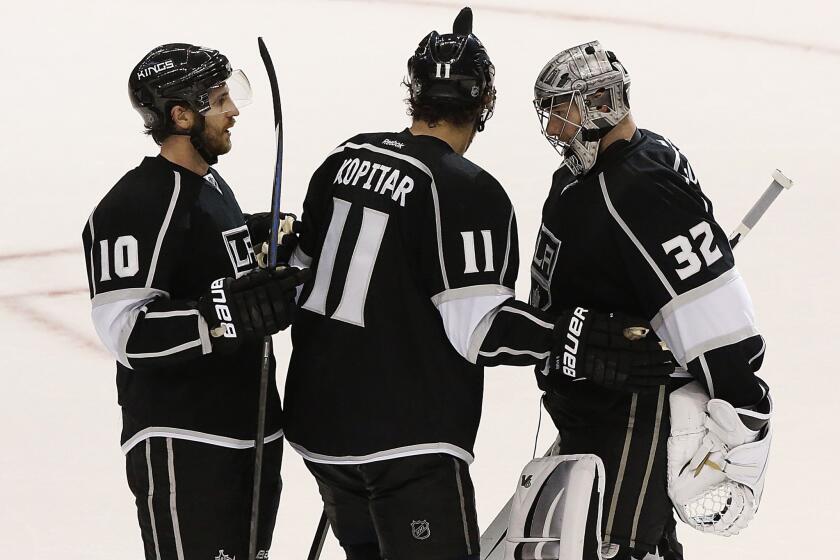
{"type": "Point", "coordinates": [556, 510]}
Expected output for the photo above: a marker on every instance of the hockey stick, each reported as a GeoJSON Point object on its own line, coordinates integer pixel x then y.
{"type": "Point", "coordinates": [320, 536]}
{"type": "Point", "coordinates": [259, 443]}
{"type": "Point", "coordinates": [492, 540]}
{"type": "Point", "coordinates": [780, 182]}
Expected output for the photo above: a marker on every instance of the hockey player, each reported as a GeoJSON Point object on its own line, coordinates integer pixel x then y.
{"type": "Point", "coordinates": [627, 228]}
{"type": "Point", "coordinates": [415, 255]}
{"type": "Point", "coordinates": [178, 303]}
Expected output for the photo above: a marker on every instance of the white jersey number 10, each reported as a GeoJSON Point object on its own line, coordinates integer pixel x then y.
{"type": "Point", "coordinates": [126, 259]}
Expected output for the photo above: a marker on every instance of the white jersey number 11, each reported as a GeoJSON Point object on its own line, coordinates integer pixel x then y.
{"type": "Point", "coordinates": [351, 307]}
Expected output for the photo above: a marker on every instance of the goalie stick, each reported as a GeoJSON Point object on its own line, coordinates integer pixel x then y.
{"type": "Point", "coordinates": [259, 443]}
{"type": "Point", "coordinates": [492, 540]}
{"type": "Point", "coordinates": [780, 182]}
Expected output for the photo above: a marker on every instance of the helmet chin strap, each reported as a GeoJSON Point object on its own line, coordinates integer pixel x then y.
{"type": "Point", "coordinates": [195, 134]}
{"type": "Point", "coordinates": [594, 134]}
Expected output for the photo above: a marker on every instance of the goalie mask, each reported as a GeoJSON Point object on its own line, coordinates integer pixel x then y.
{"type": "Point", "coordinates": [580, 95]}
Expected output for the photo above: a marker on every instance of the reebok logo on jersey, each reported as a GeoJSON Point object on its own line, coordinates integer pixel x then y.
{"type": "Point", "coordinates": [573, 341]}
{"type": "Point", "coordinates": [394, 143]}
{"type": "Point", "coordinates": [225, 328]}
{"type": "Point", "coordinates": [155, 68]}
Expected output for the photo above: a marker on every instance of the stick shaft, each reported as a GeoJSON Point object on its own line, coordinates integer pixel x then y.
{"type": "Point", "coordinates": [780, 183]}
{"type": "Point", "coordinates": [259, 442]}
{"type": "Point", "coordinates": [320, 536]}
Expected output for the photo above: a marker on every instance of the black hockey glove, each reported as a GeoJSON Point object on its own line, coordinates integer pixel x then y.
{"type": "Point", "coordinates": [259, 225]}
{"type": "Point", "coordinates": [611, 349]}
{"type": "Point", "coordinates": [258, 304]}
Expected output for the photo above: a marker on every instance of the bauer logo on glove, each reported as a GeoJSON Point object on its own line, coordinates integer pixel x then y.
{"type": "Point", "coordinates": [259, 304]}
{"type": "Point", "coordinates": [225, 327]}
{"type": "Point", "coordinates": [613, 350]}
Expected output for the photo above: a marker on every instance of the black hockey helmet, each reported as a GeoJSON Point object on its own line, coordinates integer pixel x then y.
{"type": "Point", "coordinates": [453, 68]}
{"type": "Point", "coordinates": [183, 73]}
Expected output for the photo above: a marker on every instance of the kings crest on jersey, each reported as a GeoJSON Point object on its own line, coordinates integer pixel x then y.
{"type": "Point", "coordinates": [153, 245]}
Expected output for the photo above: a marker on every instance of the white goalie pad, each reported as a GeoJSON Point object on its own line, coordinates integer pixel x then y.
{"type": "Point", "coordinates": [716, 465]}
{"type": "Point", "coordinates": [556, 510]}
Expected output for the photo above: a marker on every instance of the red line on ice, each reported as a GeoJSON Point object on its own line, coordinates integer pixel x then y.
{"type": "Point", "coordinates": [40, 254]}
{"type": "Point", "coordinates": [628, 22]}
{"type": "Point", "coordinates": [45, 293]}
{"type": "Point", "coordinates": [16, 305]}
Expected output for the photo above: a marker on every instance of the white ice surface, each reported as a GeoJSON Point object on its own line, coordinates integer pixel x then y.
{"type": "Point", "coordinates": [737, 106]}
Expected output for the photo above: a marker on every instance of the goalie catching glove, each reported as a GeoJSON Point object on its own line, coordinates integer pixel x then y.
{"type": "Point", "coordinates": [717, 459]}
{"type": "Point", "coordinates": [258, 304]}
{"type": "Point", "coordinates": [613, 350]}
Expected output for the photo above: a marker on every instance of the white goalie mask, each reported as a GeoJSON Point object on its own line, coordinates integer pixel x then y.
{"type": "Point", "coordinates": [569, 96]}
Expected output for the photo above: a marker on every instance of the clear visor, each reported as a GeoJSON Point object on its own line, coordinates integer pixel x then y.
{"type": "Point", "coordinates": [560, 118]}
{"type": "Point", "coordinates": [229, 96]}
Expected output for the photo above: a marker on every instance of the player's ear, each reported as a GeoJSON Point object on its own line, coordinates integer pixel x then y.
{"type": "Point", "coordinates": [182, 117]}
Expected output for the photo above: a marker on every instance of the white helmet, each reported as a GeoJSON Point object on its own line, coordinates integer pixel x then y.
{"type": "Point", "coordinates": [589, 78]}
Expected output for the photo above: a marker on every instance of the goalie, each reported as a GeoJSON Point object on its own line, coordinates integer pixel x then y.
{"type": "Point", "coordinates": [626, 228]}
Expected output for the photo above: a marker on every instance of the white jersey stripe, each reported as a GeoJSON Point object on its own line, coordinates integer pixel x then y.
{"type": "Point", "coordinates": [471, 292]}
{"type": "Point", "coordinates": [507, 248]}
{"type": "Point", "coordinates": [464, 321]}
{"type": "Point", "coordinates": [622, 465]}
{"type": "Point", "coordinates": [407, 451]}
{"type": "Point", "coordinates": [92, 276]}
{"type": "Point", "coordinates": [191, 435]}
{"type": "Point", "coordinates": [149, 499]}
{"type": "Point", "coordinates": [528, 316]}
{"type": "Point", "coordinates": [506, 350]}
{"type": "Point", "coordinates": [463, 507]}
{"type": "Point", "coordinates": [168, 351]}
{"type": "Point", "coordinates": [176, 313]}
{"type": "Point", "coordinates": [126, 294]}
{"type": "Point", "coordinates": [710, 386]}
{"type": "Point", "coordinates": [173, 506]}
{"type": "Point", "coordinates": [760, 352]}
{"type": "Point", "coordinates": [716, 314]}
{"type": "Point", "coordinates": [657, 426]}
{"type": "Point", "coordinates": [114, 321]}
{"type": "Point", "coordinates": [165, 226]}
{"type": "Point", "coordinates": [634, 239]}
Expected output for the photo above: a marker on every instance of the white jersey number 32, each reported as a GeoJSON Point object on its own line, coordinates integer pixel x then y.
{"type": "Point", "coordinates": [685, 254]}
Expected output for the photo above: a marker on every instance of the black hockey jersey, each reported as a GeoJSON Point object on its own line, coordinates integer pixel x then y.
{"type": "Point", "coordinates": [636, 234]}
{"type": "Point", "coordinates": [414, 253]}
{"type": "Point", "coordinates": [153, 245]}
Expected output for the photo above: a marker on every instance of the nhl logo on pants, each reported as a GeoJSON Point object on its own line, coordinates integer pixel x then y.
{"type": "Point", "coordinates": [420, 530]}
